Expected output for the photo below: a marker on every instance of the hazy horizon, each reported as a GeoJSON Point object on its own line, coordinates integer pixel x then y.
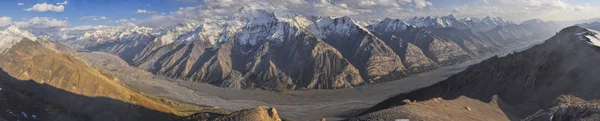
{"type": "Point", "coordinates": [57, 14]}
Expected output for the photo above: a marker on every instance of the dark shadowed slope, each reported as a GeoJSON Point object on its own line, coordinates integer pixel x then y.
{"type": "Point", "coordinates": [31, 60]}
{"type": "Point", "coordinates": [27, 100]}
{"type": "Point", "coordinates": [523, 82]}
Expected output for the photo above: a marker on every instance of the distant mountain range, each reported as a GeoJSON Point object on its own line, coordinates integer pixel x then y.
{"type": "Point", "coordinates": [476, 24]}
{"type": "Point", "coordinates": [286, 51]}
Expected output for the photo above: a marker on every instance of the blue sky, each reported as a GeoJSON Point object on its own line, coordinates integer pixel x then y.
{"type": "Point", "coordinates": [107, 12]}
{"type": "Point", "coordinates": [75, 9]}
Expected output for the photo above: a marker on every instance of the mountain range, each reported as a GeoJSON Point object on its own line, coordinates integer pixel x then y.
{"type": "Point", "coordinates": [285, 51]}
{"type": "Point", "coordinates": [40, 78]}
{"type": "Point", "coordinates": [554, 80]}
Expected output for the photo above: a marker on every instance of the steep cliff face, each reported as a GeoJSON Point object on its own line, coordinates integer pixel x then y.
{"type": "Point", "coordinates": [413, 57]}
{"type": "Point", "coordinates": [125, 49]}
{"type": "Point", "coordinates": [474, 43]}
{"type": "Point", "coordinates": [507, 35]}
{"type": "Point", "coordinates": [526, 82]}
{"type": "Point", "coordinates": [439, 49]}
{"type": "Point", "coordinates": [68, 82]}
{"type": "Point", "coordinates": [273, 54]}
{"type": "Point", "coordinates": [125, 43]}
{"type": "Point", "coordinates": [568, 107]}
{"type": "Point", "coordinates": [375, 60]}
{"type": "Point", "coordinates": [447, 43]}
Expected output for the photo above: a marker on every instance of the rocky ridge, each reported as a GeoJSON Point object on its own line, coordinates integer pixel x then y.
{"type": "Point", "coordinates": [254, 49]}
{"type": "Point", "coordinates": [527, 83]}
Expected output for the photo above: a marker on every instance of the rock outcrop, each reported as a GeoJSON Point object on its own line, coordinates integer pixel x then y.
{"type": "Point", "coordinates": [568, 108]}
{"type": "Point", "coordinates": [261, 113]}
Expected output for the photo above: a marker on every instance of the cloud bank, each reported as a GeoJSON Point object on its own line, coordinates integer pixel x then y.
{"type": "Point", "coordinates": [365, 10]}
{"type": "Point", "coordinates": [44, 7]}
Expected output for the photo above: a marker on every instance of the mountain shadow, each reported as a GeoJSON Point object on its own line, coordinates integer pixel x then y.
{"type": "Point", "coordinates": [27, 100]}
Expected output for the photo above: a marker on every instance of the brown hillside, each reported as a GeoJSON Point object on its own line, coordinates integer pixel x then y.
{"type": "Point", "coordinates": [29, 60]}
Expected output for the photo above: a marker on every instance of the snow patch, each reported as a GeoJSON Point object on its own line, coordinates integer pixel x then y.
{"type": "Point", "coordinates": [592, 37]}
{"type": "Point", "coordinates": [110, 35]}
{"type": "Point", "coordinates": [326, 26]}
{"type": "Point", "coordinates": [24, 114]}
{"type": "Point", "coordinates": [182, 29]}
{"type": "Point", "coordinates": [13, 35]}
{"type": "Point", "coordinates": [464, 23]}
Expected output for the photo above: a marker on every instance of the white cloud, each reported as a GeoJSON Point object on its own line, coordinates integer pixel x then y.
{"type": "Point", "coordinates": [86, 28]}
{"type": "Point", "coordinates": [160, 21]}
{"type": "Point", "coordinates": [459, 9]}
{"type": "Point", "coordinates": [141, 11]}
{"type": "Point", "coordinates": [63, 3]}
{"type": "Point", "coordinates": [215, 9]}
{"type": "Point", "coordinates": [519, 10]}
{"type": "Point", "coordinates": [422, 3]}
{"type": "Point", "coordinates": [43, 7]}
{"type": "Point", "coordinates": [42, 23]}
{"type": "Point", "coordinates": [585, 7]}
{"type": "Point", "coordinates": [4, 21]}
{"type": "Point", "coordinates": [122, 20]}
{"type": "Point", "coordinates": [20, 4]}
{"type": "Point", "coordinates": [89, 28]}
{"type": "Point", "coordinates": [485, 1]}
{"type": "Point", "coordinates": [80, 30]}
{"type": "Point", "coordinates": [126, 20]}
{"type": "Point", "coordinates": [95, 18]}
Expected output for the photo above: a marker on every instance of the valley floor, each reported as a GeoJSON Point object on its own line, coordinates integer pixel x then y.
{"type": "Point", "coordinates": [293, 105]}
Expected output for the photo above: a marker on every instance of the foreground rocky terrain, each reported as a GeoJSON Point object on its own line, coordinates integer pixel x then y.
{"type": "Point", "coordinates": [553, 79]}
{"type": "Point", "coordinates": [262, 113]}
{"type": "Point", "coordinates": [20, 105]}
{"type": "Point", "coordinates": [57, 78]}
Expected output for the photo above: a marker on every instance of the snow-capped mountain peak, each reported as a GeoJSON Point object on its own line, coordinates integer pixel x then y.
{"type": "Point", "coordinates": [113, 34]}
{"type": "Point", "coordinates": [252, 15]}
{"type": "Point", "coordinates": [179, 30]}
{"type": "Point", "coordinates": [590, 37]}
{"type": "Point", "coordinates": [13, 35]}
{"type": "Point", "coordinates": [18, 32]}
{"type": "Point", "coordinates": [325, 26]}
{"type": "Point", "coordinates": [390, 25]}
{"type": "Point", "coordinates": [452, 21]}
{"type": "Point", "coordinates": [99, 36]}
{"type": "Point", "coordinates": [451, 16]}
